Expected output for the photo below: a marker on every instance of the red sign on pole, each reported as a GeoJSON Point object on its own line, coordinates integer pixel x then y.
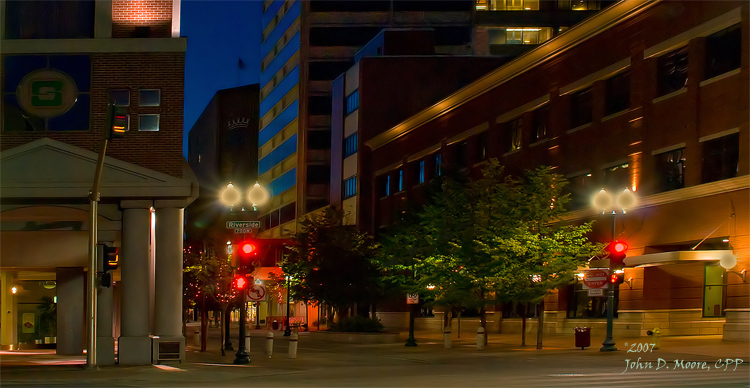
{"type": "Point", "coordinates": [595, 278]}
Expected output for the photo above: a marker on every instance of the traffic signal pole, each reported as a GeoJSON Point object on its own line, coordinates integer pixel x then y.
{"type": "Point", "coordinates": [93, 237]}
{"type": "Point", "coordinates": [609, 343]}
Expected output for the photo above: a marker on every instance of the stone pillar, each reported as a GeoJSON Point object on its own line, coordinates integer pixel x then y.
{"type": "Point", "coordinates": [9, 321]}
{"type": "Point", "coordinates": [105, 343]}
{"type": "Point", "coordinates": [168, 303]}
{"type": "Point", "coordinates": [135, 343]}
{"type": "Point", "coordinates": [71, 328]}
{"type": "Point", "coordinates": [103, 21]}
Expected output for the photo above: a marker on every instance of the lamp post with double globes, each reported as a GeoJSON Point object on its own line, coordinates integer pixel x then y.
{"type": "Point", "coordinates": [607, 203]}
{"type": "Point", "coordinates": [231, 197]}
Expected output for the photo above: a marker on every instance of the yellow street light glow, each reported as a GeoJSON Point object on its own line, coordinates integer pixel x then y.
{"type": "Point", "coordinates": [230, 196]}
{"type": "Point", "coordinates": [258, 195]}
{"type": "Point", "coordinates": [728, 260]}
{"type": "Point", "coordinates": [14, 289]}
{"type": "Point", "coordinates": [626, 200]}
{"type": "Point", "coordinates": [602, 200]}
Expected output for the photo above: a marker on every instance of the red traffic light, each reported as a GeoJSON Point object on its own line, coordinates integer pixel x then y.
{"type": "Point", "coordinates": [619, 246]}
{"type": "Point", "coordinates": [248, 247]}
{"type": "Point", "coordinates": [618, 278]}
{"type": "Point", "coordinates": [240, 282]}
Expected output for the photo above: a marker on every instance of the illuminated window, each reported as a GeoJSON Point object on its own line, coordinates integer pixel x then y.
{"type": "Point", "coordinates": [673, 71]}
{"type": "Point", "coordinates": [350, 145]}
{"type": "Point", "coordinates": [580, 108]}
{"type": "Point", "coordinates": [578, 5]}
{"type": "Point", "coordinates": [350, 187]}
{"type": "Point", "coordinates": [617, 93]}
{"type": "Point", "coordinates": [352, 102]}
{"type": "Point", "coordinates": [400, 180]}
{"type": "Point", "coordinates": [150, 97]}
{"type": "Point", "coordinates": [148, 123]}
{"type": "Point", "coordinates": [438, 164]}
{"type": "Point", "coordinates": [541, 122]}
{"type": "Point", "coordinates": [720, 158]}
{"type": "Point", "coordinates": [670, 167]}
{"type": "Point", "coordinates": [506, 5]}
{"type": "Point", "coordinates": [723, 51]}
{"type": "Point", "coordinates": [519, 35]}
{"type": "Point", "coordinates": [420, 171]}
{"type": "Point", "coordinates": [515, 129]}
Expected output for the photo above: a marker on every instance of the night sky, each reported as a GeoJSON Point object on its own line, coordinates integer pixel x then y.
{"type": "Point", "coordinates": [219, 33]}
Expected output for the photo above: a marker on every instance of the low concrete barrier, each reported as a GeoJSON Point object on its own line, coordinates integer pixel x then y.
{"type": "Point", "coordinates": [356, 338]}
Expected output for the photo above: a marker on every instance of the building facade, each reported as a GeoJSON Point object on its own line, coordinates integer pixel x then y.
{"type": "Point", "coordinates": [305, 45]}
{"type": "Point", "coordinates": [660, 111]}
{"type": "Point", "coordinates": [62, 64]}
{"type": "Point", "coordinates": [394, 76]}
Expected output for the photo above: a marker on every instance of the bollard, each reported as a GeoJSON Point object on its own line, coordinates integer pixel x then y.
{"type": "Point", "coordinates": [293, 341]}
{"type": "Point", "coordinates": [197, 337]}
{"type": "Point", "coordinates": [480, 338]}
{"type": "Point", "coordinates": [447, 338]}
{"type": "Point", "coordinates": [656, 333]}
{"type": "Point", "coordinates": [247, 344]}
{"type": "Point", "coordinates": [269, 344]}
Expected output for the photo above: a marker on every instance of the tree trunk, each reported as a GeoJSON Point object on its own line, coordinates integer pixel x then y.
{"type": "Point", "coordinates": [204, 322]}
{"type": "Point", "coordinates": [227, 323]}
{"type": "Point", "coordinates": [540, 330]}
{"type": "Point", "coordinates": [483, 322]}
{"type": "Point", "coordinates": [447, 319]}
{"type": "Point", "coordinates": [523, 323]}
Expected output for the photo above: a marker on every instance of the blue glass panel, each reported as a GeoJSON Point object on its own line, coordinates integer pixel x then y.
{"type": "Point", "coordinates": [283, 183]}
{"type": "Point", "coordinates": [278, 155]}
{"type": "Point", "coordinates": [286, 53]}
{"type": "Point", "coordinates": [281, 121]}
{"type": "Point", "coordinates": [280, 91]}
{"type": "Point", "coordinates": [279, 30]}
{"type": "Point", "coordinates": [77, 67]}
{"type": "Point", "coordinates": [75, 119]}
{"type": "Point", "coordinates": [17, 66]}
{"type": "Point", "coordinates": [270, 12]}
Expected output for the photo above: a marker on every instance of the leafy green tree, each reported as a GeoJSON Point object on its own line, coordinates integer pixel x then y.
{"type": "Point", "coordinates": [332, 263]}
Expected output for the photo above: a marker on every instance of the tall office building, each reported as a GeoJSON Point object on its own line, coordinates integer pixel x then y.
{"type": "Point", "coordinates": [305, 45]}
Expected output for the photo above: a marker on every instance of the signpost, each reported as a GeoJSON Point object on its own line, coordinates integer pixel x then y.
{"type": "Point", "coordinates": [595, 279]}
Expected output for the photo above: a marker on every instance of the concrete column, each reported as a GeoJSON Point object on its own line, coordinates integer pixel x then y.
{"type": "Point", "coordinates": [168, 304]}
{"type": "Point", "coordinates": [103, 19]}
{"type": "Point", "coordinates": [71, 328]}
{"type": "Point", "coordinates": [105, 343]}
{"type": "Point", "coordinates": [168, 298]}
{"type": "Point", "coordinates": [9, 311]}
{"type": "Point", "coordinates": [135, 343]}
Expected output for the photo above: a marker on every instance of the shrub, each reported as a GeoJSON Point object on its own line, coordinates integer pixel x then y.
{"type": "Point", "coordinates": [358, 324]}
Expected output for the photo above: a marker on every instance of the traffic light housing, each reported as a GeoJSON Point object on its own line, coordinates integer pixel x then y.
{"type": "Point", "coordinates": [617, 252]}
{"type": "Point", "coordinates": [617, 278]}
{"type": "Point", "coordinates": [108, 259]}
{"type": "Point", "coordinates": [246, 254]}
{"type": "Point", "coordinates": [118, 122]}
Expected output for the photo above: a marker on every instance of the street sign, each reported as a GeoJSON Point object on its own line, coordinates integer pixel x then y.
{"type": "Point", "coordinates": [412, 298]}
{"type": "Point", "coordinates": [243, 224]}
{"type": "Point", "coordinates": [242, 231]}
{"type": "Point", "coordinates": [595, 278]}
{"type": "Point", "coordinates": [256, 293]}
{"type": "Point", "coordinates": [596, 292]}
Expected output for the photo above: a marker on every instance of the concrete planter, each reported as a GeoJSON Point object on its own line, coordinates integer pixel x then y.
{"type": "Point", "coordinates": [356, 338]}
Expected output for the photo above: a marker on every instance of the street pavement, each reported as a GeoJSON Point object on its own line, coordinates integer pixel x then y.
{"type": "Point", "coordinates": [696, 361]}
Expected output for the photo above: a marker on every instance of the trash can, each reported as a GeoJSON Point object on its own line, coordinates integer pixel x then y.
{"type": "Point", "coordinates": [583, 337]}
{"type": "Point", "coordinates": [275, 324]}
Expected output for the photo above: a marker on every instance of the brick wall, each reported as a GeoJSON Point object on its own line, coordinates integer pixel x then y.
{"type": "Point", "coordinates": [160, 151]}
{"type": "Point", "coordinates": [130, 18]}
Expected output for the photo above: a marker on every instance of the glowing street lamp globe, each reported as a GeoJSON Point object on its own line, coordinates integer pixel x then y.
{"type": "Point", "coordinates": [230, 195]}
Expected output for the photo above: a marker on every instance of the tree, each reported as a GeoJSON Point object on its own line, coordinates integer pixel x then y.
{"type": "Point", "coordinates": [542, 253]}
{"type": "Point", "coordinates": [496, 238]}
{"type": "Point", "coordinates": [332, 263]}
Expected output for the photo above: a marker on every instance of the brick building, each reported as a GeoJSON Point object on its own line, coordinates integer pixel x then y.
{"type": "Point", "coordinates": [62, 63]}
{"type": "Point", "coordinates": [646, 95]}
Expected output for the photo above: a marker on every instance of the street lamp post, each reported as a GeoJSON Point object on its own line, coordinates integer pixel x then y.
{"type": "Point", "coordinates": [287, 329]}
{"type": "Point", "coordinates": [241, 357]}
{"type": "Point", "coordinates": [604, 201]}
{"type": "Point", "coordinates": [231, 196]}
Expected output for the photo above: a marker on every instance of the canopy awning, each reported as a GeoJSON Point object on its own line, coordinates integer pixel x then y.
{"type": "Point", "coordinates": [674, 257]}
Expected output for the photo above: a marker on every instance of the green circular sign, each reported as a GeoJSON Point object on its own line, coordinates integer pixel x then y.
{"type": "Point", "coordinates": [47, 93]}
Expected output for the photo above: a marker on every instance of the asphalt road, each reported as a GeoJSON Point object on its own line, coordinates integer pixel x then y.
{"type": "Point", "coordinates": [322, 364]}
